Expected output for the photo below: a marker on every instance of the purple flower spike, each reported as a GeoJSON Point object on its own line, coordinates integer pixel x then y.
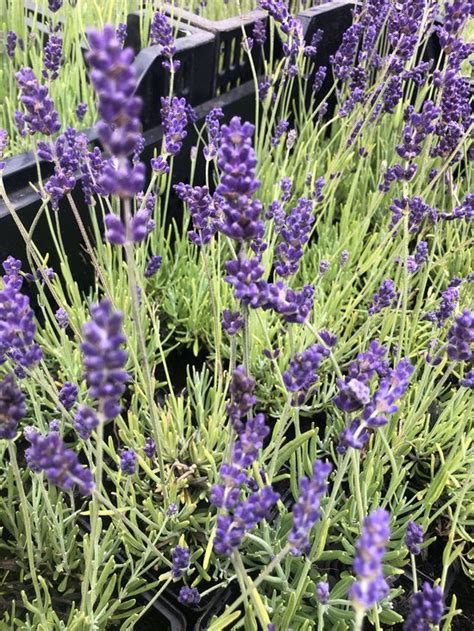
{"type": "Point", "coordinates": [387, 296]}
{"type": "Point", "coordinates": [12, 40]}
{"type": "Point", "coordinates": [371, 586]}
{"type": "Point", "coordinates": [237, 162]}
{"type": "Point", "coordinates": [189, 596]}
{"type": "Point", "coordinates": [150, 448]}
{"type": "Point", "coordinates": [55, 5]}
{"type": "Point", "coordinates": [161, 33]}
{"type": "Point", "coordinates": [294, 234]}
{"type": "Point", "coordinates": [121, 33]}
{"type": "Point", "coordinates": [81, 111]}
{"type": "Point", "coordinates": [322, 592]}
{"type": "Point", "coordinates": [175, 114]}
{"type": "Point", "coordinates": [62, 318]}
{"type": "Point", "coordinates": [426, 609]}
{"type": "Point", "coordinates": [60, 465]}
{"type": "Point", "coordinates": [41, 116]}
{"type": "Point", "coordinates": [461, 337]}
{"type": "Point", "coordinates": [242, 395]}
{"type": "Point", "coordinates": [301, 374]}
{"type": "Point", "coordinates": [67, 395]}
{"type": "Point", "coordinates": [128, 461]}
{"type": "Point", "coordinates": [113, 78]}
{"type": "Point", "coordinates": [85, 422]}
{"type": "Point", "coordinates": [53, 57]}
{"type": "Point", "coordinates": [306, 510]}
{"type": "Point", "coordinates": [244, 274]}
{"type": "Point", "coordinates": [232, 321]}
{"type": "Point", "coordinates": [180, 559]}
{"type": "Point", "coordinates": [414, 537]}
{"type": "Point", "coordinates": [202, 210]}
{"type": "Point", "coordinates": [259, 32]}
{"type": "Point", "coordinates": [3, 145]}
{"type": "Point", "coordinates": [104, 358]}
{"type": "Point", "coordinates": [213, 132]}
{"type": "Point", "coordinates": [153, 266]}
{"type": "Point", "coordinates": [468, 380]}
{"type": "Point", "coordinates": [12, 407]}
{"type": "Point", "coordinates": [17, 324]}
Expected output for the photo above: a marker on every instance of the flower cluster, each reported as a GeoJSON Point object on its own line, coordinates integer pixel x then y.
{"type": "Point", "coordinates": [161, 33]}
{"type": "Point", "coordinates": [3, 145]}
{"type": "Point", "coordinates": [113, 78]}
{"type": "Point", "coordinates": [153, 266]}
{"type": "Point", "coordinates": [128, 461]}
{"type": "Point", "coordinates": [306, 510]}
{"type": "Point", "coordinates": [17, 324]}
{"type": "Point", "coordinates": [175, 115]}
{"type": "Point", "coordinates": [67, 395]}
{"type": "Point", "coordinates": [241, 515]}
{"type": "Point", "coordinates": [213, 128]}
{"type": "Point", "coordinates": [354, 394]}
{"type": "Point", "coordinates": [202, 210]}
{"type": "Point", "coordinates": [414, 537]}
{"type": "Point", "coordinates": [387, 296]}
{"type": "Point", "coordinates": [426, 609]}
{"type": "Point", "coordinates": [371, 586]}
{"type": "Point", "coordinates": [237, 162]}
{"type": "Point", "coordinates": [12, 407]}
{"type": "Point", "coordinates": [180, 560]}
{"type": "Point", "coordinates": [461, 337]}
{"type": "Point", "coordinates": [60, 465]}
{"type": "Point", "coordinates": [242, 397]}
{"type": "Point", "coordinates": [104, 358]}
{"type": "Point", "coordinates": [294, 234]}
{"type": "Point", "coordinates": [53, 58]}
{"type": "Point", "coordinates": [41, 115]}
{"type": "Point", "coordinates": [301, 374]}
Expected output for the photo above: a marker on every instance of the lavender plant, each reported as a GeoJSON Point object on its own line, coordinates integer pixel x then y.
{"type": "Point", "coordinates": [275, 393]}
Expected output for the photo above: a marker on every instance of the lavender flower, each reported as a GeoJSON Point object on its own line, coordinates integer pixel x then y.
{"type": "Point", "coordinates": [17, 325]}
{"type": "Point", "coordinates": [41, 116]}
{"type": "Point", "coordinates": [426, 609]}
{"type": "Point", "coordinates": [294, 233]}
{"type": "Point", "coordinates": [237, 162]}
{"type": "Point", "coordinates": [53, 57]}
{"type": "Point", "coordinates": [55, 5]}
{"type": "Point", "coordinates": [60, 465]}
{"type": "Point", "coordinates": [468, 380]}
{"type": "Point", "coordinates": [301, 374]}
{"type": "Point", "coordinates": [3, 145]}
{"type": "Point", "coordinates": [417, 212]}
{"type": "Point", "coordinates": [371, 585]}
{"type": "Point", "coordinates": [344, 258]}
{"type": "Point", "coordinates": [175, 115]}
{"type": "Point", "coordinates": [189, 596]}
{"type": "Point", "coordinates": [159, 165]}
{"type": "Point", "coordinates": [104, 358]}
{"type": "Point", "coordinates": [323, 267]}
{"type": "Point", "coordinates": [113, 78]}
{"type": "Point", "coordinates": [461, 337]}
{"type": "Point", "coordinates": [464, 211]}
{"type": "Point", "coordinates": [286, 184]}
{"type": "Point", "coordinates": [419, 126]}
{"type": "Point", "coordinates": [213, 132]}
{"type": "Point", "coordinates": [242, 395]}
{"type": "Point", "coordinates": [387, 296]}
{"type": "Point", "coordinates": [12, 40]}
{"type": "Point", "coordinates": [202, 210]}
{"type": "Point", "coordinates": [281, 129]}
{"type": "Point", "coordinates": [153, 266]}
{"type": "Point", "coordinates": [128, 461]}
{"type": "Point", "coordinates": [245, 275]}
{"type": "Point", "coordinates": [449, 301]}
{"type": "Point", "coordinates": [12, 407]}
{"type": "Point", "coordinates": [414, 537]}
{"type": "Point", "coordinates": [322, 592]}
{"type": "Point", "coordinates": [150, 448]}
{"type": "Point", "coordinates": [180, 558]}
{"type": "Point", "coordinates": [259, 32]}
{"type": "Point", "coordinates": [121, 33]}
{"type": "Point", "coordinates": [415, 261]}
{"type": "Point", "coordinates": [62, 318]}
{"type": "Point", "coordinates": [161, 33]}
{"type": "Point", "coordinates": [231, 529]}
{"type": "Point", "coordinates": [232, 321]}
{"type": "Point", "coordinates": [67, 395]}
{"type": "Point", "coordinates": [85, 422]}
{"type": "Point", "coordinates": [306, 510]}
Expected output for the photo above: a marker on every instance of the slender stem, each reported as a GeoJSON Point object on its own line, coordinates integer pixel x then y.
{"type": "Point", "coordinates": [26, 518]}
{"type": "Point", "coordinates": [88, 244]}
{"type": "Point", "coordinates": [246, 340]}
{"type": "Point", "coordinates": [359, 619]}
{"type": "Point", "coordinates": [415, 577]}
{"type": "Point", "coordinates": [254, 595]}
{"type": "Point", "coordinates": [215, 314]}
{"type": "Point", "coordinates": [133, 285]}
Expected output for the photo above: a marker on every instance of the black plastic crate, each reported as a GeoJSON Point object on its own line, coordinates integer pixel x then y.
{"type": "Point", "coordinates": [231, 66]}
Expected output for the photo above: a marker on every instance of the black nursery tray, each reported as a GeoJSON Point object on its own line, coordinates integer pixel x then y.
{"type": "Point", "coordinates": [231, 66]}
